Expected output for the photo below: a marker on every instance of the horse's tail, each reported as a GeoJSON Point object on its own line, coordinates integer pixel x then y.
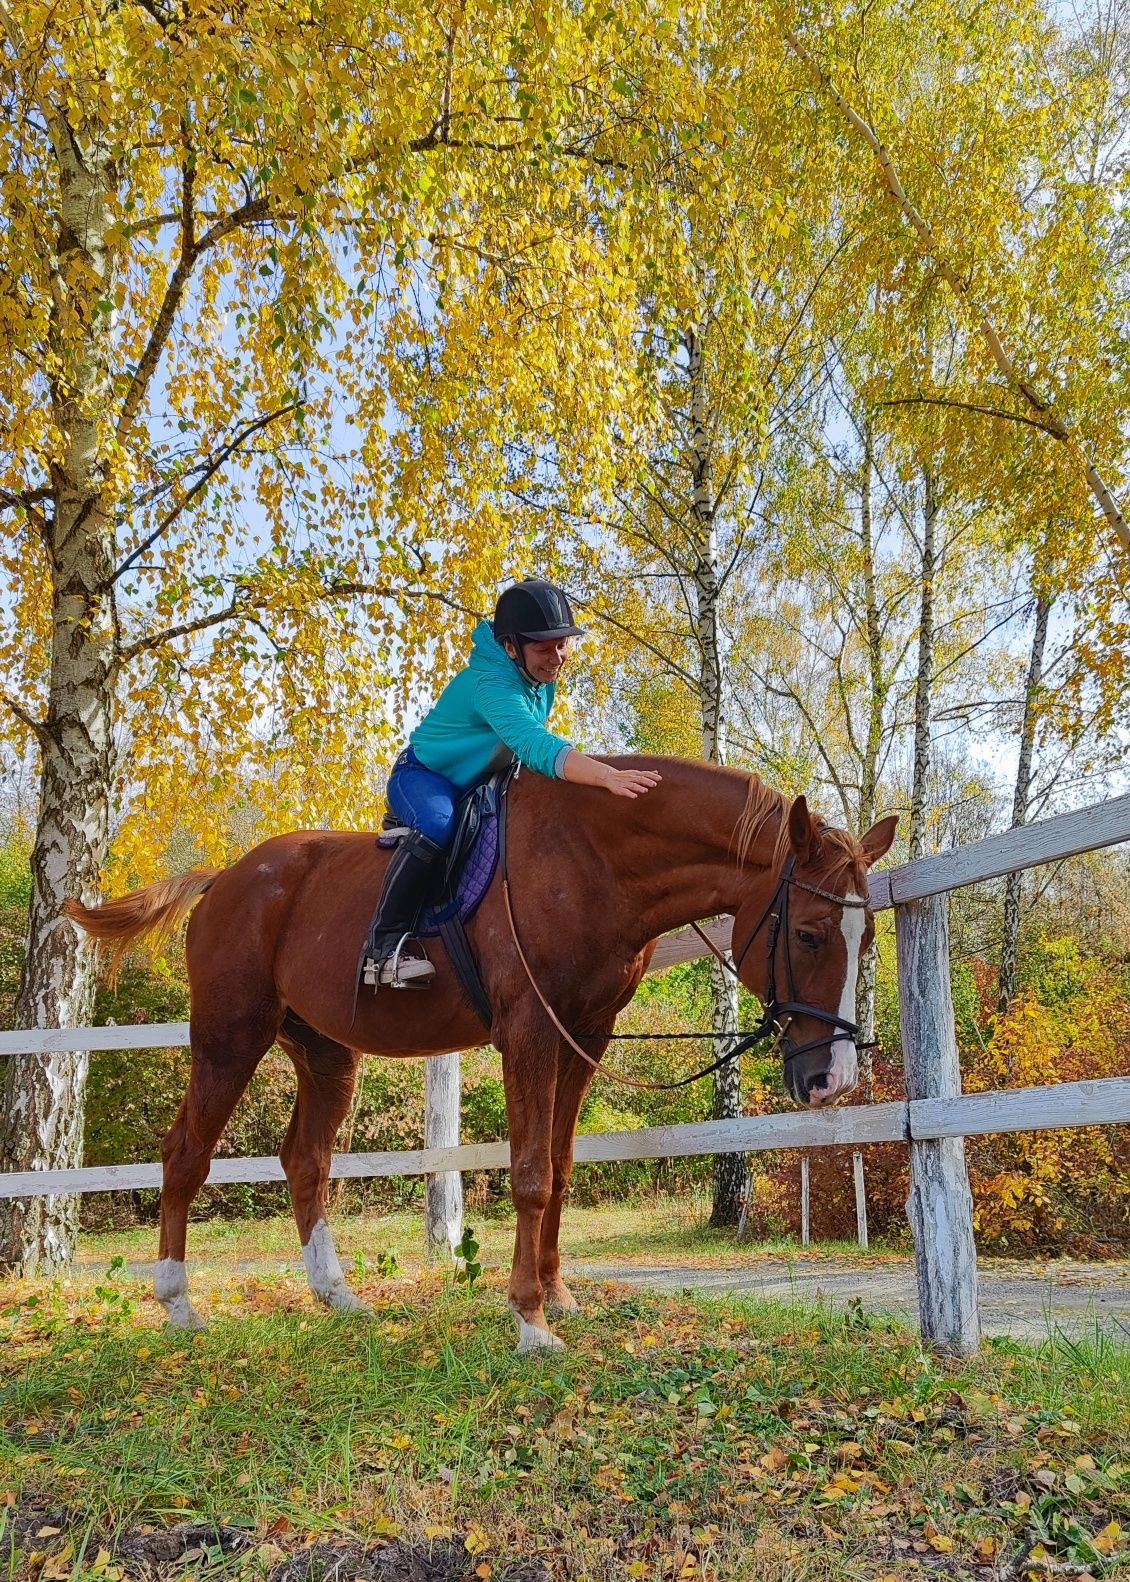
{"type": "Point", "coordinates": [154, 911]}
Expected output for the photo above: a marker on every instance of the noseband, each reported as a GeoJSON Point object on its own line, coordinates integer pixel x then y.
{"type": "Point", "coordinates": [776, 914]}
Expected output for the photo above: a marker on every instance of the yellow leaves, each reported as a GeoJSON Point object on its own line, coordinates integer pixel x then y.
{"type": "Point", "coordinates": [476, 1541]}
{"type": "Point", "coordinates": [940, 1542]}
{"type": "Point", "coordinates": [1108, 1539]}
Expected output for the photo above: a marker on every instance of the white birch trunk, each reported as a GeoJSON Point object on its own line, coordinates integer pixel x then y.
{"type": "Point", "coordinates": [1010, 944]}
{"type": "Point", "coordinates": [940, 1207]}
{"type": "Point", "coordinates": [443, 1193]}
{"type": "Point", "coordinates": [41, 1121]}
{"type": "Point", "coordinates": [924, 680]}
{"type": "Point", "coordinates": [729, 1169]}
{"type": "Point", "coordinates": [869, 770]}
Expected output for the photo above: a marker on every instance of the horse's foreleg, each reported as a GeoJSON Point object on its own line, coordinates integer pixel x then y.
{"type": "Point", "coordinates": [528, 1069]}
{"type": "Point", "coordinates": [327, 1074]}
{"type": "Point", "coordinates": [219, 1074]}
{"type": "Point", "coordinates": [574, 1078]}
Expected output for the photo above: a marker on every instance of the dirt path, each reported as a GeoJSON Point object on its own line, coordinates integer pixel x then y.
{"type": "Point", "coordinates": [1027, 1301]}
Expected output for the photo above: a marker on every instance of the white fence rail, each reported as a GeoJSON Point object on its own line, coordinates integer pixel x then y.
{"type": "Point", "coordinates": [933, 1122]}
{"type": "Point", "coordinates": [1098, 1103]}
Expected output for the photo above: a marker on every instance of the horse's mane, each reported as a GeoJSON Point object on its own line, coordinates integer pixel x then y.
{"type": "Point", "coordinates": [766, 808]}
{"type": "Point", "coordinates": [763, 809]}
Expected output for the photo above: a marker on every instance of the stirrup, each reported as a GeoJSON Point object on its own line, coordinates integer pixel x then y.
{"type": "Point", "coordinates": [398, 971]}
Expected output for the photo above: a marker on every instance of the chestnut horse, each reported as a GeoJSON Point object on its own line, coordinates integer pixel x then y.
{"type": "Point", "coordinates": [272, 954]}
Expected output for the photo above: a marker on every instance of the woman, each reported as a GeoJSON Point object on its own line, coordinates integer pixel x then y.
{"type": "Point", "coordinates": [488, 715]}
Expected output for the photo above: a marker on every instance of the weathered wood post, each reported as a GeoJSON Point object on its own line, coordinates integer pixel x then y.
{"type": "Point", "coordinates": [443, 1193]}
{"type": "Point", "coordinates": [940, 1206]}
{"type": "Point", "coordinates": [860, 1198]}
{"type": "Point", "coordinates": [804, 1200]}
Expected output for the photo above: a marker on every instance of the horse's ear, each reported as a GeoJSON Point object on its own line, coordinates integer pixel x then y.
{"type": "Point", "coordinates": [877, 842]}
{"type": "Point", "coordinates": [804, 834]}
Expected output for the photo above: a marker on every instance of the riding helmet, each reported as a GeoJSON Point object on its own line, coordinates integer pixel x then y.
{"type": "Point", "coordinates": [534, 611]}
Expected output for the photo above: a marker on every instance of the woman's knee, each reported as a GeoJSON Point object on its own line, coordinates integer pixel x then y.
{"type": "Point", "coordinates": [425, 801]}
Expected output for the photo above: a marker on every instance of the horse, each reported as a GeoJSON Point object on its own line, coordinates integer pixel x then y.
{"type": "Point", "coordinates": [272, 952]}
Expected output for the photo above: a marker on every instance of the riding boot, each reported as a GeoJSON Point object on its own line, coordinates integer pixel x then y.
{"type": "Point", "coordinates": [408, 885]}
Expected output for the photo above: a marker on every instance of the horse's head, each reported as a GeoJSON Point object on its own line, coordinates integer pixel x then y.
{"type": "Point", "coordinates": [798, 948]}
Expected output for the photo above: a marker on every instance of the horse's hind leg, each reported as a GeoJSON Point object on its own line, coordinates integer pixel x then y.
{"type": "Point", "coordinates": [327, 1073]}
{"type": "Point", "coordinates": [221, 1069]}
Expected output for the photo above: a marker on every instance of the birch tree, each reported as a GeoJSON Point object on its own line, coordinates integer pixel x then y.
{"type": "Point", "coordinates": [236, 242]}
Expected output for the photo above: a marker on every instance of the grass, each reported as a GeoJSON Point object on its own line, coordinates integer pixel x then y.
{"type": "Point", "coordinates": [659, 1230]}
{"type": "Point", "coordinates": [675, 1439]}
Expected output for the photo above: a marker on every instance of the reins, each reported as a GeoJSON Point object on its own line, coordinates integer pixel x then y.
{"type": "Point", "coordinates": [766, 1027]}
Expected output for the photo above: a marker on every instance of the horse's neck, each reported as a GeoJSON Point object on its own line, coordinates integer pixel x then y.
{"type": "Point", "coordinates": [672, 852]}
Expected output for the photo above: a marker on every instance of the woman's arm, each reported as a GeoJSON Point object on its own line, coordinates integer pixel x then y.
{"type": "Point", "coordinates": [586, 771]}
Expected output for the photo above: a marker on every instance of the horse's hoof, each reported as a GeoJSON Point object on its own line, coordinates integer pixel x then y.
{"type": "Point", "coordinates": [185, 1319]}
{"type": "Point", "coordinates": [342, 1300]}
{"type": "Point", "coordinates": [531, 1337]}
{"type": "Point", "coordinates": [562, 1301]}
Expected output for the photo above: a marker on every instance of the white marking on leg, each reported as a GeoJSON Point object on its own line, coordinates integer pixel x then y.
{"type": "Point", "coordinates": [325, 1274]}
{"type": "Point", "coordinates": [532, 1337]}
{"type": "Point", "coordinates": [170, 1287]}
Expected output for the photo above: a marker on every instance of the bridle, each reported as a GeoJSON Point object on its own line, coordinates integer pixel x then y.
{"type": "Point", "coordinates": [776, 914]}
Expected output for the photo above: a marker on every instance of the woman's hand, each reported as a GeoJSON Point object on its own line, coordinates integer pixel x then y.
{"type": "Point", "coordinates": [630, 782]}
{"type": "Point", "coordinates": [586, 771]}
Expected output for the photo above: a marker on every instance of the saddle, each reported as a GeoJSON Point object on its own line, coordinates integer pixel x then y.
{"type": "Point", "coordinates": [480, 832]}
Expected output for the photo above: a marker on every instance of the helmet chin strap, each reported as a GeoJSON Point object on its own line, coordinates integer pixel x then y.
{"type": "Point", "coordinates": [520, 660]}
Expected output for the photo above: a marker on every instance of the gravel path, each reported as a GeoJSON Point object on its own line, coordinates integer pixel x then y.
{"type": "Point", "coordinates": [1028, 1305]}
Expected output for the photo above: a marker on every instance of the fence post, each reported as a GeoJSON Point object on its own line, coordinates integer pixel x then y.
{"type": "Point", "coordinates": [940, 1206]}
{"type": "Point", "coordinates": [860, 1198]}
{"type": "Point", "coordinates": [443, 1193]}
{"type": "Point", "coordinates": [804, 1200]}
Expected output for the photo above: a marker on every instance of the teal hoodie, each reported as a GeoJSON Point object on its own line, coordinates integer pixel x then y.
{"type": "Point", "coordinates": [487, 716]}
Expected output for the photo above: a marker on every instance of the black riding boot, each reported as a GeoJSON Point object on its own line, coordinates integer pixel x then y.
{"type": "Point", "coordinates": [408, 886]}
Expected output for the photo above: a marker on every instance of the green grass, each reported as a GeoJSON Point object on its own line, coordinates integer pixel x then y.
{"type": "Point", "coordinates": [660, 1230]}
{"type": "Point", "coordinates": [674, 1439]}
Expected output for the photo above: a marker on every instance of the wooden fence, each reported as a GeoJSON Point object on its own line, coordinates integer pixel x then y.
{"type": "Point", "coordinates": [934, 1120]}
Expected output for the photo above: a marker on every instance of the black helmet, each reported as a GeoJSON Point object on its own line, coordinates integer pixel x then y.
{"type": "Point", "coordinates": [534, 611]}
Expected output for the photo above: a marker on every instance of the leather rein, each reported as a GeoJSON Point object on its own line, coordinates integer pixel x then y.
{"type": "Point", "coordinates": [776, 914]}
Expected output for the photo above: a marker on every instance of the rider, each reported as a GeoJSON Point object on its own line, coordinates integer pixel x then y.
{"type": "Point", "coordinates": [488, 715]}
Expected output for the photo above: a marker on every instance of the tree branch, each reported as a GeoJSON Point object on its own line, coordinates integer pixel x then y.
{"type": "Point", "coordinates": [203, 472]}
{"type": "Point", "coordinates": [971, 406]}
{"type": "Point", "coordinates": [236, 609]}
{"type": "Point", "coordinates": [252, 212]}
{"type": "Point", "coordinates": [28, 500]}
{"type": "Point", "coordinates": [36, 727]}
{"type": "Point", "coordinates": [1058, 426]}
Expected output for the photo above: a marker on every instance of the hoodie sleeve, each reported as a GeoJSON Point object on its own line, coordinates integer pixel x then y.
{"type": "Point", "coordinates": [508, 713]}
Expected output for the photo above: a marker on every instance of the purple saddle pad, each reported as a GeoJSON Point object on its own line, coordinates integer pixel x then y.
{"type": "Point", "coordinates": [470, 884]}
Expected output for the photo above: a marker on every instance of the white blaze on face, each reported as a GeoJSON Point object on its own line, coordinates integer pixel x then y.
{"type": "Point", "coordinates": [844, 1071]}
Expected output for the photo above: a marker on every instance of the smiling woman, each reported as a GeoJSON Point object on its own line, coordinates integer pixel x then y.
{"type": "Point", "coordinates": [490, 715]}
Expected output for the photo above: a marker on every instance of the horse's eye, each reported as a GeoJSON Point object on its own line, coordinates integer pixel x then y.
{"type": "Point", "coordinates": [807, 937]}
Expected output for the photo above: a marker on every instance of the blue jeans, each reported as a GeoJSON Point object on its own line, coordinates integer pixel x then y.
{"type": "Point", "coordinates": [423, 799]}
